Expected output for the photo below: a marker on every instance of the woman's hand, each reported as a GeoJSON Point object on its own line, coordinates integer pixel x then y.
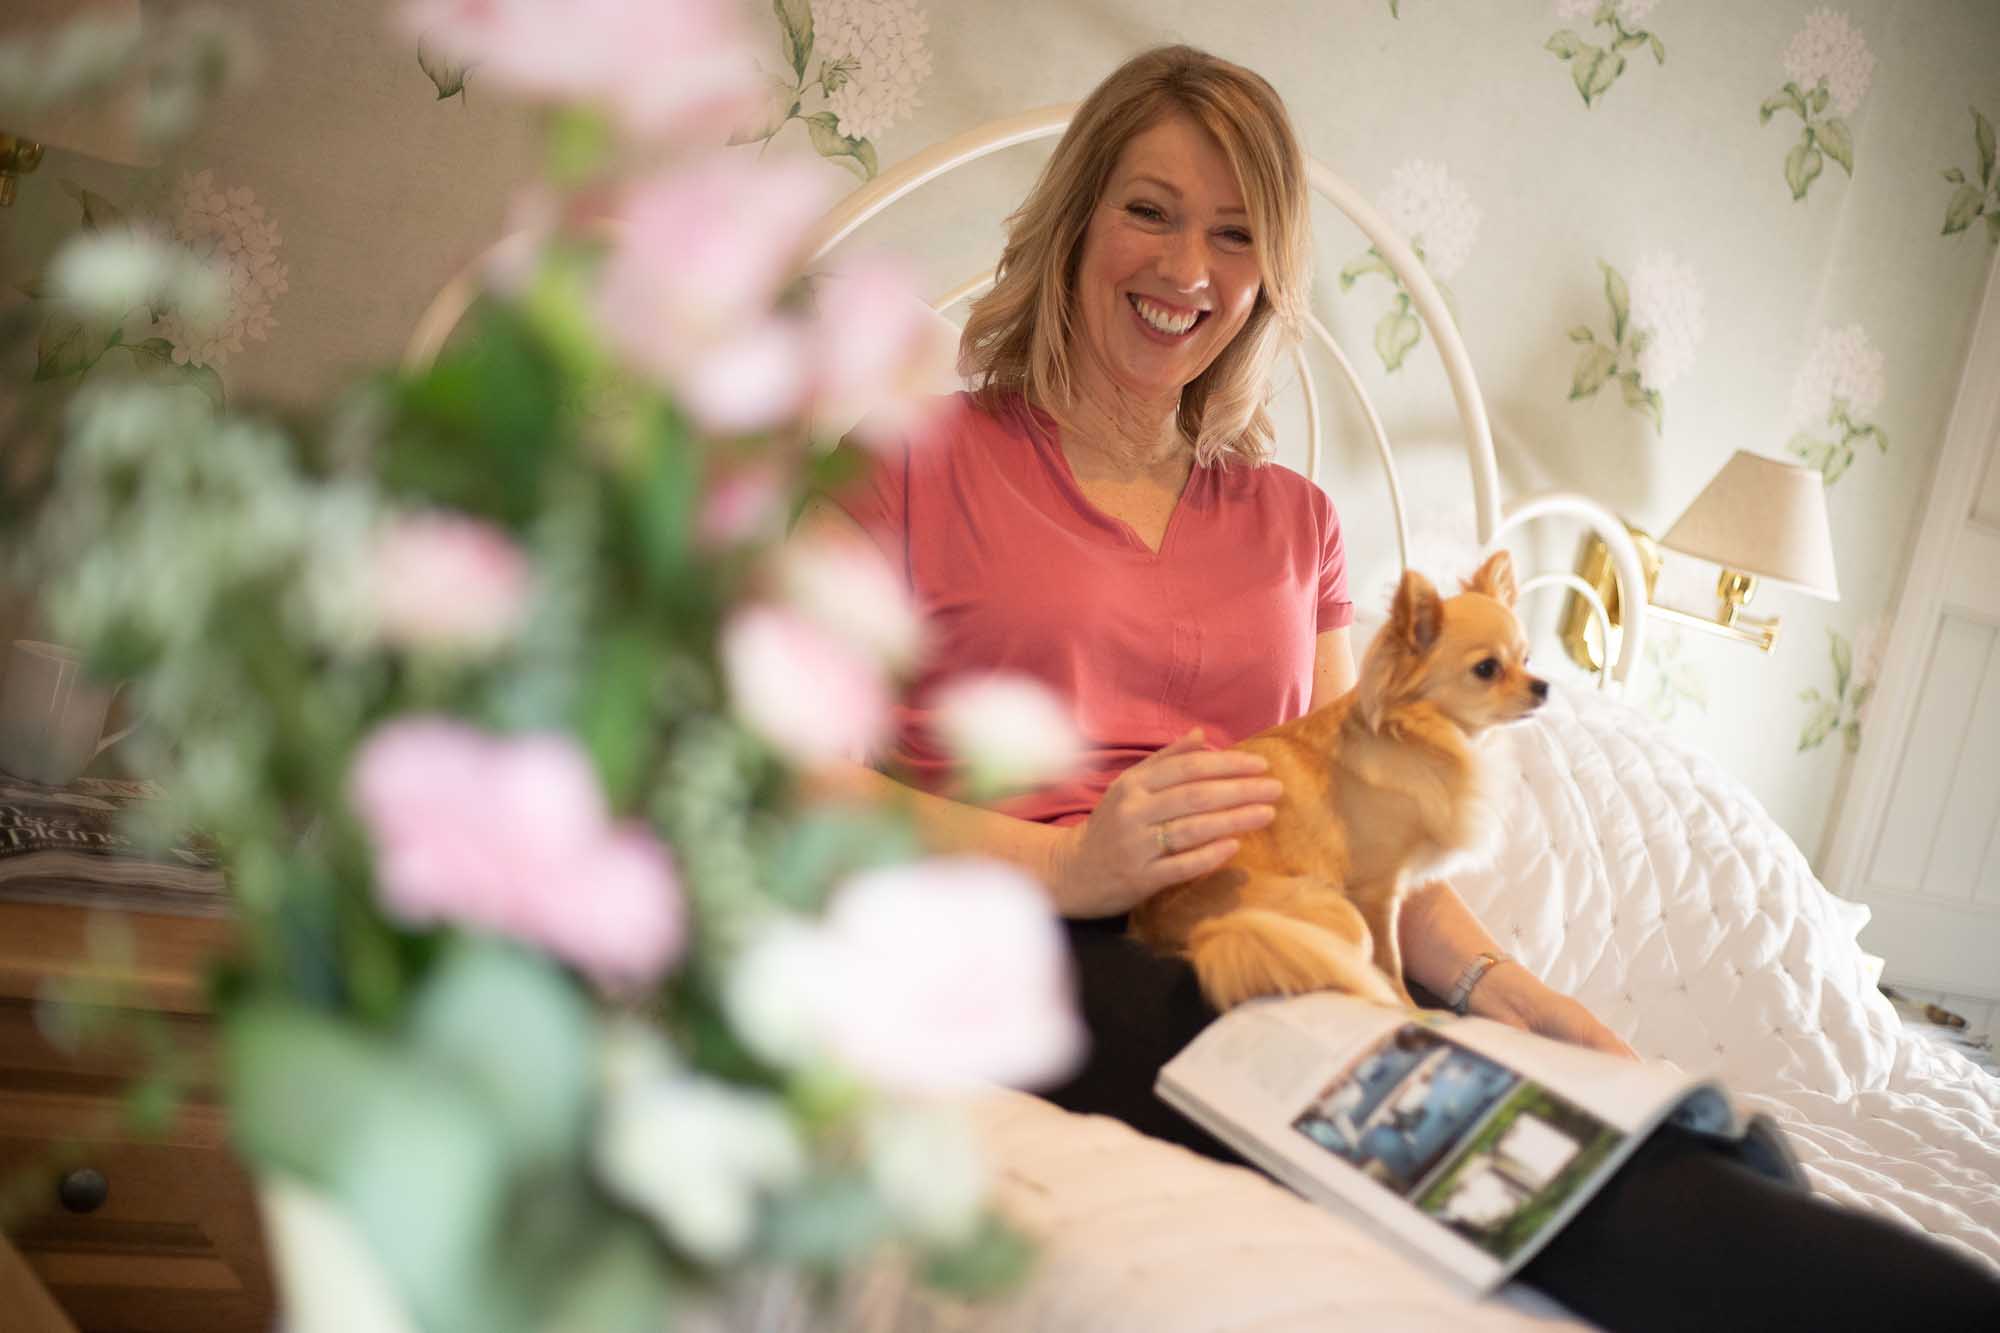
{"type": "Point", "coordinates": [1509, 993]}
{"type": "Point", "coordinates": [1168, 818]}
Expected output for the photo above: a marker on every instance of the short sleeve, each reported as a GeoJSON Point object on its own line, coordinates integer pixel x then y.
{"type": "Point", "coordinates": [878, 497]}
{"type": "Point", "coordinates": [1336, 608]}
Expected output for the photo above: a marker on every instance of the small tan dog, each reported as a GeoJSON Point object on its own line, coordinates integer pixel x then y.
{"type": "Point", "coordinates": [1382, 790]}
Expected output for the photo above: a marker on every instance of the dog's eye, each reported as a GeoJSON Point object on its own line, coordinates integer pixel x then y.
{"type": "Point", "coordinates": [1487, 669]}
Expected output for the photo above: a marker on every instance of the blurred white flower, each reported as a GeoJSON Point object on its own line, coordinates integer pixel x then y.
{"type": "Point", "coordinates": [1630, 12]}
{"type": "Point", "coordinates": [880, 46]}
{"type": "Point", "coordinates": [1434, 213]}
{"type": "Point", "coordinates": [228, 231]}
{"type": "Point", "coordinates": [848, 588]}
{"type": "Point", "coordinates": [662, 67]}
{"type": "Point", "coordinates": [960, 976]}
{"type": "Point", "coordinates": [1831, 48]}
{"type": "Point", "coordinates": [927, 1165]}
{"type": "Point", "coordinates": [110, 272]}
{"type": "Point", "coordinates": [1844, 364]}
{"type": "Point", "coordinates": [1667, 306]}
{"type": "Point", "coordinates": [1009, 731]}
{"type": "Point", "coordinates": [696, 1155]}
{"type": "Point", "coordinates": [936, 976]}
{"type": "Point", "coordinates": [807, 692]}
{"type": "Point", "coordinates": [448, 583]}
{"type": "Point", "coordinates": [777, 989]}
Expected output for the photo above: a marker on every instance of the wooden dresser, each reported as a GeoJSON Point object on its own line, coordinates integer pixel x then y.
{"type": "Point", "coordinates": [124, 1232]}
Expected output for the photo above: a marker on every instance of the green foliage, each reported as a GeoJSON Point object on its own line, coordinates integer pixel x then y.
{"type": "Point", "coordinates": [1594, 69]}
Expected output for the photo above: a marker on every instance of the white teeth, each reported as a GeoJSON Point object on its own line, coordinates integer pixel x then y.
{"type": "Point", "coordinates": [1161, 319]}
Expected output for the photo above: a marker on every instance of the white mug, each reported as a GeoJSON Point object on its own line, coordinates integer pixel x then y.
{"type": "Point", "coordinates": [52, 714]}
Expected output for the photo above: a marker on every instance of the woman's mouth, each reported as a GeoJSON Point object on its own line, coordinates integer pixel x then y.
{"type": "Point", "coordinates": [1164, 323]}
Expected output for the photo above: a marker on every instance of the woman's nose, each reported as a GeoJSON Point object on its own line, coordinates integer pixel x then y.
{"type": "Point", "coordinates": [1184, 263]}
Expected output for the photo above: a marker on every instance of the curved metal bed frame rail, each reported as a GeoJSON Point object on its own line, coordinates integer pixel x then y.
{"type": "Point", "coordinates": [1048, 122]}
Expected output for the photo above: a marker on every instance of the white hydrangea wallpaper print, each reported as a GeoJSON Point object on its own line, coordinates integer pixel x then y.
{"type": "Point", "coordinates": [1437, 217]}
{"type": "Point", "coordinates": [1829, 67]}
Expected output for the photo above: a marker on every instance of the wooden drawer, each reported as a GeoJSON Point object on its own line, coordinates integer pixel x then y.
{"type": "Point", "coordinates": [176, 1245]}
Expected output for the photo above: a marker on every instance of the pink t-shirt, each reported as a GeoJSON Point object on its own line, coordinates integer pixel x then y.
{"type": "Point", "coordinates": [1015, 569]}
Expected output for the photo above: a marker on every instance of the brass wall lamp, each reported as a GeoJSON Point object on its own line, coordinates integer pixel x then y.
{"type": "Point", "coordinates": [1759, 518]}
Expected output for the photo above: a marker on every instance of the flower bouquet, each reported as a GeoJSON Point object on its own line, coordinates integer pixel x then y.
{"type": "Point", "coordinates": [560, 1004]}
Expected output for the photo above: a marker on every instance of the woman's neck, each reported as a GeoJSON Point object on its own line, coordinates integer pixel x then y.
{"type": "Point", "coordinates": [1110, 433]}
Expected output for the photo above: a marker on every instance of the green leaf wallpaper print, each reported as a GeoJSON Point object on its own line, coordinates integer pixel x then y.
{"type": "Point", "coordinates": [1439, 220]}
{"type": "Point", "coordinates": [1970, 202]}
{"type": "Point", "coordinates": [1676, 680]}
{"type": "Point", "coordinates": [1846, 707]}
{"type": "Point", "coordinates": [1595, 68]}
{"type": "Point", "coordinates": [872, 58]}
{"type": "Point", "coordinates": [1657, 322]}
{"type": "Point", "coordinates": [1830, 67]}
{"type": "Point", "coordinates": [1836, 391]}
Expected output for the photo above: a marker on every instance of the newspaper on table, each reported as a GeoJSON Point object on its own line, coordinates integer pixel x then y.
{"type": "Point", "coordinates": [1469, 1142]}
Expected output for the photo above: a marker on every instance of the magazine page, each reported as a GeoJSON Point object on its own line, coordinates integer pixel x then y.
{"type": "Point", "coordinates": [76, 844]}
{"type": "Point", "coordinates": [1468, 1141]}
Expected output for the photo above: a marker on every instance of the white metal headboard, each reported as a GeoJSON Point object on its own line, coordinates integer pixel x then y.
{"type": "Point", "coordinates": [1494, 520]}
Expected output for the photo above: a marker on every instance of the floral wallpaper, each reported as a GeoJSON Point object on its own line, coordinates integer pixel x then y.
{"type": "Point", "coordinates": [1668, 229]}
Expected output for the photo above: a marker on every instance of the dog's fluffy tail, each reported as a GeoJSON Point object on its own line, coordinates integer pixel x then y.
{"type": "Point", "coordinates": [1251, 952]}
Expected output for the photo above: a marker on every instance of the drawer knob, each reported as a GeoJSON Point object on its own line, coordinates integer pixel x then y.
{"type": "Point", "coordinates": [84, 1190]}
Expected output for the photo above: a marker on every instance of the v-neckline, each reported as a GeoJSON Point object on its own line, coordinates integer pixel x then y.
{"type": "Point", "coordinates": [1049, 435]}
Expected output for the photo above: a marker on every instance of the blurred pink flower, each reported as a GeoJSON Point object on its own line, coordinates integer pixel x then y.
{"type": "Point", "coordinates": [744, 502]}
{"type": "Point", "coordinates": [511, 835]}
{"type": "Point", "coordinates": [884, 357]}
{"type": "Point", "coordinates": [808, 693]}
{"type": "Point", "coordinates": [847, 588]}
{"type": "Point", "coordinates": [745, 384]}
{"type": "Point", "coordinates": [949, 973]}
{"type": "Point", "coordinates": [661, 67]}
{"type": "Point", "coordinates": [703, 248]}
{"type": "Point", "coordinates": [448, 582]}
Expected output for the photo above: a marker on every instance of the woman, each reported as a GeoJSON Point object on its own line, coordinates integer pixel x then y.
{"type": "Point", "coordinates": [1096, 515]}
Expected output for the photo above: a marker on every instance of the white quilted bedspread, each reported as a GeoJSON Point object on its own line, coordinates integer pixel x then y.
{"type": "Point", "coordinates": [1641, 878]}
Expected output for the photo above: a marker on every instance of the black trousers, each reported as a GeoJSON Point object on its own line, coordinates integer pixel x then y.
{"type": "Point", "coordinates": [1685, 1237]}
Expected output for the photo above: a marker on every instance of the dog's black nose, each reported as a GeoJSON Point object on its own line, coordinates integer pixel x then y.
{"type": "Point", "coordinates": [1539, 688]}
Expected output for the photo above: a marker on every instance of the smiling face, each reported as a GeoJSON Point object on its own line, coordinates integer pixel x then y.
{"type": "Point", "coordinates": [1168, 274]}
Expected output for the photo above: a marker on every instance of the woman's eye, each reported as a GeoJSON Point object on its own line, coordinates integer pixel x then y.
{"type": "Point", "coordinates": [1487, 669]}
{"type": "Point", "coordinates": [1146, 211]}
{"type": "Point", "coordinates": [1236, 236]}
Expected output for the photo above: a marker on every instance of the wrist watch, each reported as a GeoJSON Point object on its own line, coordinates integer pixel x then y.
{"type": "Point", "coordinates": [1461, 990]}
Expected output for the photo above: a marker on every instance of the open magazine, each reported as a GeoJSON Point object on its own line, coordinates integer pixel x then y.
{"type": "Point", "coordinates": [1468, 1141]}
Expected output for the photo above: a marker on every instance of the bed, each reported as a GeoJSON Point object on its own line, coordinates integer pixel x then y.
{"type": "Point", "coordinates": [1635, 874]}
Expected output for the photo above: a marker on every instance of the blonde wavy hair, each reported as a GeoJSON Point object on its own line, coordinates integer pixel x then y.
{"type": "Point", "coordinates": [1021, 336]}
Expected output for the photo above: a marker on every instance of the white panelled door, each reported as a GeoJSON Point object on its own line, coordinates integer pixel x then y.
{"type": "Point", "coordinates": [1918, 836]}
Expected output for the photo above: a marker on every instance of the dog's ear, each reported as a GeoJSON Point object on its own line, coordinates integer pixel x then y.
{"type": "Point", "coordinates": [1417, 614]}
{"type": "Point", "coordinates": [1495, 579]}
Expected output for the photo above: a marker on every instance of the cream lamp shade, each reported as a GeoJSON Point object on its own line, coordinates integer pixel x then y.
{"type": "Point", "coordinates": [1764, 517]}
